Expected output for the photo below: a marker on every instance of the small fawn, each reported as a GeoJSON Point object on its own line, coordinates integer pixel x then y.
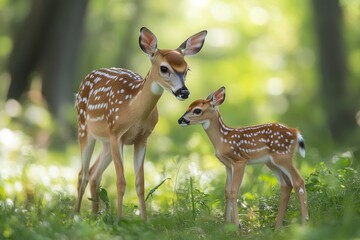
{"type": "Point", "coordinates": [117, 106]}
{"type": "Point", "coordinates": [273, 144]}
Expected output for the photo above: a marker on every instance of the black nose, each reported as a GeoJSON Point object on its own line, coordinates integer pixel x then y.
{"type": "Point", "coordinates": [182, 93]}
{"type": "Point", "coordinates": [183, 120]}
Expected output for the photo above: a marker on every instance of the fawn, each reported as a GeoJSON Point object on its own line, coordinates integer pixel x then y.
{"type": "Point", "coordinates": [273, 144]}
{"type": "Point", "coordinates": [117, 106]}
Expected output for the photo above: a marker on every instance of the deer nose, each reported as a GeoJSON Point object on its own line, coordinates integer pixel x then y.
{"type": "Point", "coordinates": [182, 93]}
{"type": "Point", "coordinates": [183, 121]}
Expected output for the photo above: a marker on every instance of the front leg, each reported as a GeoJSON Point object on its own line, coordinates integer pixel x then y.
{"type": "Point", "coordinates": [228, 194]}
{"type": "Point", "coordinates": [139, 155]}
{"type": "Point", "coordinates": [238, 169]}
{"type": "Point", "coordinates": [229, 180]}
{"type": "Point", "coordinates": [117, 154]}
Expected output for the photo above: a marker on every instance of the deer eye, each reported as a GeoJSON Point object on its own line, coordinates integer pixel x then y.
{"type": "Point", "coordinates": [164, 69]}
{"type": "Point", "coordinates": [197, 111]}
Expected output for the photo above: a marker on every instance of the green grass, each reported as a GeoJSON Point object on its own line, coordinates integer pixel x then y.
{"type": "Point", "coordinates": [334, 203]}
{"type": "Point", "coordinates": [38, 191]}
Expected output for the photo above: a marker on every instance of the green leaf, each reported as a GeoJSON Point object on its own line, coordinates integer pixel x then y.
{"type": "Point", "coordinates": [103, 195]}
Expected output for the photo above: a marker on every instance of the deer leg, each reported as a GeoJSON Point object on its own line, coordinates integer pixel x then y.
{"type": "Point", "coordinates": [237, 176]}
{"type": "Point", "coordinates": [117, 154]}
{"type": "Point", "coordinates": [139, 155]}
{"type": "Point", "coordinates": [96, 172]}
{"type": "Point", "coordinates": [299, 187]}
{"type": "Point", "coordinates": [228, 194]}
{"type": "Point", "coordinates": [285, 190]}
{"type": "Point", "coordinates": [288, 169]}
{"type": "Point", "coordinates": [87, 149]}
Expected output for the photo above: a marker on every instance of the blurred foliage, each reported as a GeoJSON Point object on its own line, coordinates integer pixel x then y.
{"type": "Point", "coordinates": [262, 51]}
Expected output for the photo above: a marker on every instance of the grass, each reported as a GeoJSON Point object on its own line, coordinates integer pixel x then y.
{"type": "Point", "coordinates": [185, 196]}
{"type": "Point", "coordinates": [333, 199]}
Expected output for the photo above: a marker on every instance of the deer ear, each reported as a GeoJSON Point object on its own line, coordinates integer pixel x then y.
{"type": "Point", "coordinates": [147, 41]}
{"type": "Point", "coordinates": [193, 44]}
{"type": "Point", "coordinates": [217, 98]}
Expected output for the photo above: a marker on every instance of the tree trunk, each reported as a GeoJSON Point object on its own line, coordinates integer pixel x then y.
{"type": "Point", "coordinates": [48, 42]}
{"type": "Point", "coordinates": [333, 67]}
{"type": "Point", "coordinates": [28, 46]}
{"type": "Point", "coordinates": [59, 61]}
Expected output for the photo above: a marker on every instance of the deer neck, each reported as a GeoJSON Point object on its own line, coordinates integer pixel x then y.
{"type": "Point", "coordinates": [148, 96]}
{"type": "Point", "coordinates": [216, 129]}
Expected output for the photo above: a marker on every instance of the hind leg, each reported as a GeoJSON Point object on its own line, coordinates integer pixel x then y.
{"type": "Point", "coordinates": [285, 164]}
{"type": "Point", "coordinates": [299, 187]}
{"type": "Point", "coordinates": [96, 171]}
{"type": "Point", "coordinates": [285, 190]}
{"type": "Point", "coordinates": [87, 148]}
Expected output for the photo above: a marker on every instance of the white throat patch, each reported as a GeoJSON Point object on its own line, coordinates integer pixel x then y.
{"type": "Point", "coordinates": [206, 124]}
{"type": "Point", "coordinates": [156, 89]}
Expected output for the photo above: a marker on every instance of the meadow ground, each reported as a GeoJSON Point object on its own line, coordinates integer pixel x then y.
{"type": "Point", "coordinates": [37, 202]}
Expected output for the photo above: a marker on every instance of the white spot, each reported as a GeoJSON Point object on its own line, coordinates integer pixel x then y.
{"type": "Point", "coordinates": [106, 75]}
{"type": "Point", "coordinates": [96, 119]}
{"type": "Point", "coordinates": [301, 191]}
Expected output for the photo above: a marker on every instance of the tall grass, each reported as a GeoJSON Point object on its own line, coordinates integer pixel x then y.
{"type": "Point", "coordinates": [333, 200]}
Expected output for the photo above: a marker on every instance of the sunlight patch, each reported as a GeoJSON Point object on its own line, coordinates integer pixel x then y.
{"type": "Point", "coordinates": [199, 3]}
{"type": "Point", "coordinates": [259, 16]}
{"type": "Point", "coordinates": [54, 171]}
{"type": "Point", "coordinates": [222, 11]}
{"type": "Point", "coordinates": [18, 187]}
{"type": "Point", "coordinates": [13, 108]}
{"type": "Point", "coordinates": [10, 139]}
{"type": "Point", "coordinates": [137, 212]}
{"type": "Point", "coordinates": [219, 37]}
{"type": "Point", "coordinates": [275, 86]}
{"type": "Point", "coordinates": [194, 169]}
